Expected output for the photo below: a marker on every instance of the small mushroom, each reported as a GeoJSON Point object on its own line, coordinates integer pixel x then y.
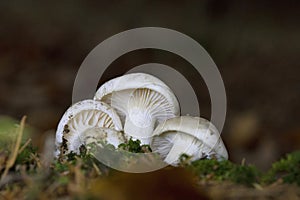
{"type": "Point", "coordinates": [87, 118]}
{"type": "Point", "coordinates": [194, 136]}
{"type": "Point", "coordinates": [142, 101]}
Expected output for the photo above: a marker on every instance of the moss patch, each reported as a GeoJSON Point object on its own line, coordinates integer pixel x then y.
{"type": "Point", "coordinates": [74, 176]}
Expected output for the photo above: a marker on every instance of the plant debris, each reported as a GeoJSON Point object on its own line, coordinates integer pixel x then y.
{"type": "Point", "coordinates": [24, 176]}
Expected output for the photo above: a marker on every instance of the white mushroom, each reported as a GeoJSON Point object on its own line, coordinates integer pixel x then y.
{"type": "Point", "coordinates": [142, 101]}
{"type": "Point", "coordinates": [86, 118]}
{"type": "Point", "coordinates": [194, 136]}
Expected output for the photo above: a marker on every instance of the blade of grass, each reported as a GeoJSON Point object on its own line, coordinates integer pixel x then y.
{"type": "Point", "coordinates": [16, 148]}
{"type": "Point", "coordinates": [24, 146]}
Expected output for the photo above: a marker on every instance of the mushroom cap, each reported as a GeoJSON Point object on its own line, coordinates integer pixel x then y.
{"type": "Point", "coordinates": [128, 83]}
{"type": "Point", "coordinates": [81, 117]}
{"type": "Point", "coordinates": [192, 135]}
{"type": "Point", "coordinates": [134, 81]}
{"type": "Point", "coordinates": [143, 98]}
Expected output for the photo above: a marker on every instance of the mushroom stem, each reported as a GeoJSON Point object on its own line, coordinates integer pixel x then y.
{"type": "Point", "coordinates": [182, 144]}
{"type": "Point", "coordinates": [139, 127]}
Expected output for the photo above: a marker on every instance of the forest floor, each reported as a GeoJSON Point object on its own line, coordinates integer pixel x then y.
{"type": "Point", "coordinates": [28, 174]}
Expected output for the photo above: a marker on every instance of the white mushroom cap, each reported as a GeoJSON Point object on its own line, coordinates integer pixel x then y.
{"type": "Point", "coordinates": [83, 118]}
{"type": "Point", "coordinates": [142, 101]}
{"type": "Point", "coordinates": [193, 136]}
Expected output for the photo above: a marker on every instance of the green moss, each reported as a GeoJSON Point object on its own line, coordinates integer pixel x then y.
{"type": "Point", "coordinates": [242, 174]}
{"type": "Point", "coordinates": [62, 171]}
{"type": "Point", "coordinates": [60, 167]}
{"type": "Point", "coordinates": [26, 156]}
{"type": "Point", "coordinates": [287, 169]}
{"type": "Point", "coordinates": [134, 146]}
{"type": "Point", "coordinates": [225, 170]}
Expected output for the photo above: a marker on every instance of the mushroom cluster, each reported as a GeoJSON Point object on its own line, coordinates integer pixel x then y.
{"type": "Point", "coordinates": [138, 106]}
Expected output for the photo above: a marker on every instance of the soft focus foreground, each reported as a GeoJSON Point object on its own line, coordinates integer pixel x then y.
{"type": "Point", "coordinates": [26, 174]}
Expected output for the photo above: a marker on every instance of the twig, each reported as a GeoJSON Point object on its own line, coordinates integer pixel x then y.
{"type": "Point", "coordinates": [13, 157]}
{"type": "Point", "coordinates": [97, 169]}
{"type": "Point", "coordinates": [37, 160]}
{"type": "Point", "coordinates": [243, 162]}
{"type": "Point", "coordinates": [24, 146]}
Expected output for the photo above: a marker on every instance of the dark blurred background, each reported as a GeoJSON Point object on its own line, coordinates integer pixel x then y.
{"type": "Point", "coordinates": [255, 44]}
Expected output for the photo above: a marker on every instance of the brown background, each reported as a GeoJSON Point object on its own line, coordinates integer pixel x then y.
{"type": "Point", "coordinates": [255, 44]}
